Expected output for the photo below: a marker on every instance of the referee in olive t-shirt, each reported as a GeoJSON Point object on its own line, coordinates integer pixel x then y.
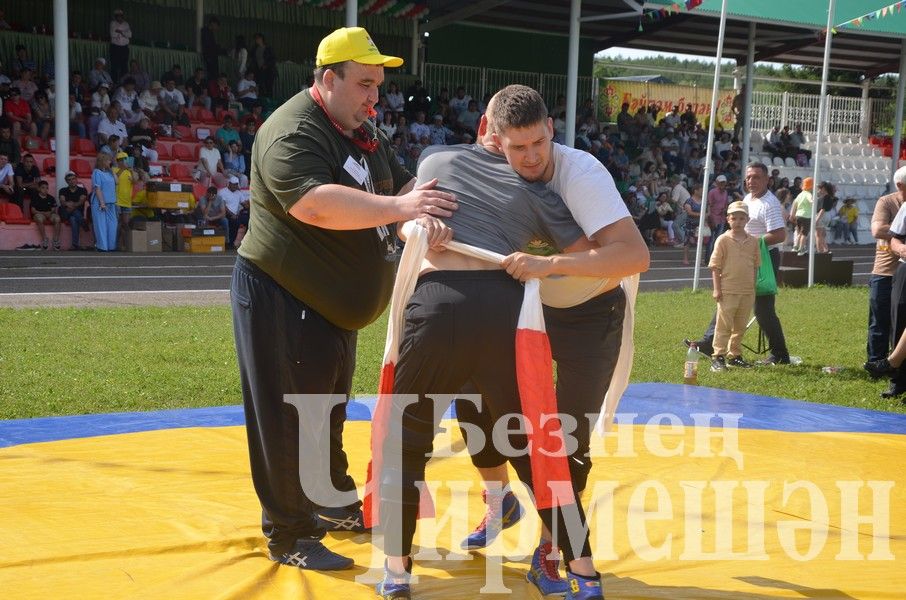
{"type": "Point", "coordinates": [316, 266]}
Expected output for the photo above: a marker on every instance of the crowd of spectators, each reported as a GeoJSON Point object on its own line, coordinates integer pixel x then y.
{"type": "Point", "coordinates": [122, 110]}
{"type": "Point", "coordinates": [657, 159]}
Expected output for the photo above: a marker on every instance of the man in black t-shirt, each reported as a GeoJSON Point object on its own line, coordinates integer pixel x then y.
{"type": "Point", "coordinates": [43, 211]}
{"type": "Point", "coordinates": [312, 270]}
{"type": "Point", "coordinates": [73, 203]}
{"type": "Point", "coordinates": [26, 175]}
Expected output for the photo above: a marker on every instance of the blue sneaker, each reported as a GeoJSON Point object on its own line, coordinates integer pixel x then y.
{"type": "Point", "coordinates": [492, 524]}
{"type": "Point", "coordinates": [312, 554]}
{"type": "Point", "coordinates": [584, 588]}
{"type": "Point", "coordinates": [390, 590]}
{"type": "Point", "coordinates": [545, 572]}
{"type": "Point", "coordinates": [341, 519]}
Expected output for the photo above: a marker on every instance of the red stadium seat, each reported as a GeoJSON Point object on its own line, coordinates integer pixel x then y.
{"type": "Point", "coordinates": [206, 116]}
{"type": "Point", "coordinates": [194, 113]}
{"type": "Point", "coordinates": [81, 167]}
{"type": "Point", "coordinates": [183, 152]}
{"type": "Point", "coordinates": [221, 113]}
{"type": "Point", "coordinates": [84, 147]}
{"type": "Point", "coordinates": [163, 152]}
{"type": "Point", "coordinates": [50, 164]}
{"type": "Point", "coordinates": [182, 132]}
{"type": "Point", "coordinates": [31, 143]}
{"type": "Point", "coordinates": [11, 214]}
{"type": "Point", "coordinates": [180, 172]}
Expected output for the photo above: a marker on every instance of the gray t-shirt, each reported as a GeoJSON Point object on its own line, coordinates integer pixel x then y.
{"type": "Point", "coordinates": [498, 210]}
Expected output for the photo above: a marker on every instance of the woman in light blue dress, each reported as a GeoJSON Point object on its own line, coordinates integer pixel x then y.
{"type": "Point", "coordinates": [104, 213]}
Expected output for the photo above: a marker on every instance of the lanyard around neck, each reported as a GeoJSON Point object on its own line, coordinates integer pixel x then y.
{"type": "Point", "coordinates": [360, 135]}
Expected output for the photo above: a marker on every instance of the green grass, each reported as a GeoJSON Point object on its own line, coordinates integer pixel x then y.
{"type": "Point", "coordinates": [79, 361]}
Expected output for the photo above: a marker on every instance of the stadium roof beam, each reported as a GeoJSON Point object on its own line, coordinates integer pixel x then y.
{"type": "Point", "coordinates": [463, 13]}
{"type": "Point", "coordinates": [625, 38]}
{"type": "Point", "coordinates": [795, 44]}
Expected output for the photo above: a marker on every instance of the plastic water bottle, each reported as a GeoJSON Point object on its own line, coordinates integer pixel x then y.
{"type": "Point", "coordinates": [690, 369]}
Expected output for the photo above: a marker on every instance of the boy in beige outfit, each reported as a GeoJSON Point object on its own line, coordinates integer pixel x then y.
{"type": "Point", "coordinates": [733, 265]}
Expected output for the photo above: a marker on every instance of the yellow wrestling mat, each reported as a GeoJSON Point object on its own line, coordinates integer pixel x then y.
{"type": "Point", "coordinates": [172, 514]}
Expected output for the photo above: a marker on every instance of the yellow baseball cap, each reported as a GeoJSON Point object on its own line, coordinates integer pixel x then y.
{"type": "Point", "coordinates": [352, 43]}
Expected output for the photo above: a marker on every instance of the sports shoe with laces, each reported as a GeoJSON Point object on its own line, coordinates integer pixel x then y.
{"type": "Point", "coordinates": [395, 585]}
{"type": "Point", "coordinates": [718, 364]}
{"type": "Point", "coordinates": [584, 588]}
{"type": "Point", "coordinates": [341, 519]}
{"type": "Point", "coordinates": [738, 362]}
{"type": "Point", "coordinates": [879, 368]}
{"type": "Point", "coordinates": [545, 572]}
{"type": "Point", "coordinates": [503, 512]}
{"type": "Point", "coordinates": [313, 555]}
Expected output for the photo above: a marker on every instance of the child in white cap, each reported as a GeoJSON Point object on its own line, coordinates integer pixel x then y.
{"type": "Point", "coordinates": [733, 265]}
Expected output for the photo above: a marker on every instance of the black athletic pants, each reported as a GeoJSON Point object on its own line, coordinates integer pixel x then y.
{"type": "Point", "coordinates": [585, 342]}
{"type": "Point", "coordinates": [285, 347]}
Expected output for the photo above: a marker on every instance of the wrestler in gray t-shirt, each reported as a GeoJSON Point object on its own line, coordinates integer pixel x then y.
{"type": "Point", "coordinates": [498, 210]}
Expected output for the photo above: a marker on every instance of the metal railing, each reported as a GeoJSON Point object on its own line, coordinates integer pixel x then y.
{"type": "Point", "coordinates": [480, 81]}
{"type": "Point", "coordinates": [846, 114]}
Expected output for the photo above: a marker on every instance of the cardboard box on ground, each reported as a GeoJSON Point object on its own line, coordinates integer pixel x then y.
{"type": "Point", "coordinates": [145, 236]}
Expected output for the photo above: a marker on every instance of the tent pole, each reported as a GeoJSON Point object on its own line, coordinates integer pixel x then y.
{"type": "Point", "coordinates": [898, 127]}
{"type": "Point", "coordinates": [750, 85]}
{"type": "Point", "coordinates": [822, 128]}
{"type": "Point", "coordinates": [61, 78]}
{"type": "Point", "coordinates": [352, 13]}
{"type": "Point", "coordinates": [572, 72]}
{"type": "Point", "coordinates": [710, 151]}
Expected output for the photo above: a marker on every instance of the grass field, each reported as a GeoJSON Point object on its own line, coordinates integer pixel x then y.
{"type": "Point", "coordinates": [78, 361]}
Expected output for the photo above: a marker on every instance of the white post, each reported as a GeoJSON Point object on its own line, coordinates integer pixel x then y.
{"type": "Point", "coordinates": [822, 131]}
{"type": "Point", "coordinates": [865, 125]}
{"type": "Point", "coordinates": [784, 109]}
{"type": "Point", "coordinates": [413, 52]}
{"type": "Point", "coordinates": [898, 121]}
{"type": "Point", "coordinates": [710, 152]}
{"type": "Point", "coordinates": [199, 23]}
{"type": "Point", "coordinates": [747, 105]}
{"type": "Point", "coordinates": [352, 13]}
{"type": "Point", "coordinates": [572, 72]}
{"type": "Point", "coordinates": [61, 78]}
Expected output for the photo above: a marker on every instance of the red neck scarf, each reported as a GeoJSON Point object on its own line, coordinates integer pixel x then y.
{"type": "Point", "coordinates": [360, 136]}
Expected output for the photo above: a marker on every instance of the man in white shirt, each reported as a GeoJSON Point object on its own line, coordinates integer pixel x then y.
{"type": "Point", "coordinates": [237, 208]}
{"type": "Point", "coordinates": [247, 90]}
{"type": "Point", "coordinates": [120, 35]}
{"type": "Point", "coordinates": [765, 220]}
{"type": "Point", "coordinates": [459, 102]}
{"type": "Point", "coordinates": [585, 338]}
{"type": "Point", "coordinates": [678, 196]}
{"type": "Point", "coordinates": [419, 128]}
{"type": "Point", "coordinates": [172, 102]}
{"type": "Point", "coordinates": [110, 124]}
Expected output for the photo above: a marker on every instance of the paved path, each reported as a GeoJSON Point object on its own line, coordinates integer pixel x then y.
{"type": "Point", "coordinates": [47, 278]}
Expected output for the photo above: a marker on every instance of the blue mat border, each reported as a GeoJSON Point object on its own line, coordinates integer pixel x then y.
{"type": "Point", "coordinates": [642, 402]}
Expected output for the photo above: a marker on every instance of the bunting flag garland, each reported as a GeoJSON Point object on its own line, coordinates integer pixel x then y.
{"type": "Point", "coordinates": [402, 9]}
{"type": "Point", "coordinates": [668, 11]}
{"type": "Point", "coordinates": [886, 11]}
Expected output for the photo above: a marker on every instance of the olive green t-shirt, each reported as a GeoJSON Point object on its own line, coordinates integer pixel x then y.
{"type": "Point", "coordinates": [343, 275]}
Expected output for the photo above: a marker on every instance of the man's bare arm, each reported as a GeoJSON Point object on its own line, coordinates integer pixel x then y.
{"type": "Point", "coordinates": [618, 251]}
{"type": "Point", "coordinates": [333, 206]}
